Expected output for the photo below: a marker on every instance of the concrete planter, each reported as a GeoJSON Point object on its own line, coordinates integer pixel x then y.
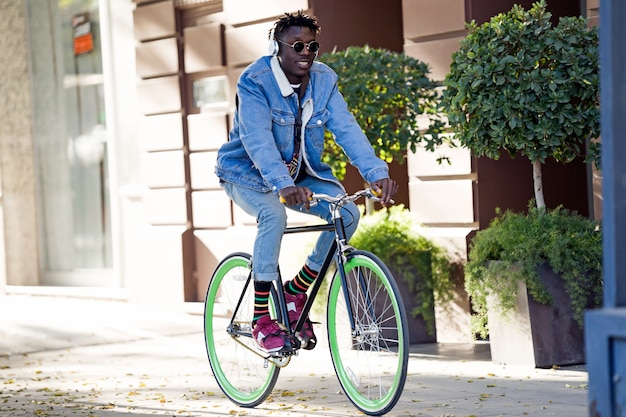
{"type": "Point", "coordinates": [534, 334]}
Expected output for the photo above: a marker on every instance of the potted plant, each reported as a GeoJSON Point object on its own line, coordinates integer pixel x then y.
{"type": "Point", "coordinates": [548, 264]}
{"type": "Point", "coordinates": [421, 268]}
{"type": "Point", "coordinates": [521, 85]}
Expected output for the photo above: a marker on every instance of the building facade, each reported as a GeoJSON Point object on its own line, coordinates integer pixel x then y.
{"type": "Point", "coordinates": [114, 110]}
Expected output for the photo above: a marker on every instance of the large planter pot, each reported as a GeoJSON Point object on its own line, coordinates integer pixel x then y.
{"type": "Point", "coordinates": [418, 328]}
{"type": "Point", "coordinates": [534, 334]}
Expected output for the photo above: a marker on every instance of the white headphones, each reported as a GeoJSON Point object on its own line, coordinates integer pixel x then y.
{"type": "Point", "coordinates": [272, 47]}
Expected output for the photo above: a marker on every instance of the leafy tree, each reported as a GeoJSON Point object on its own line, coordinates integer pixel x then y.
{"type": "Point", "coordinates": [522, 85]}
{"type": "Point", "coordinates": [387, 92]}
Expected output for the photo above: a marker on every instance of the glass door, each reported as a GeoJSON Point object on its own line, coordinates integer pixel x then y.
{"type": "Point", "coordinates": [71, 142]}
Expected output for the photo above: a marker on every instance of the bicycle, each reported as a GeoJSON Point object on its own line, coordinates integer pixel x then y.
{"type": "Point", "coordinates": [366, 323]}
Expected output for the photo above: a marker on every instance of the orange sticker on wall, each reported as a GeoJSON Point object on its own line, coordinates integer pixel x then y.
{"type": "Point", "coordinates": [83, 44]}
{"type": "Point", "coordinates": [83, 38]}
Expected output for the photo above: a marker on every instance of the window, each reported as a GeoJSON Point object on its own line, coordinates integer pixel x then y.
{"type": "Point", "coordinates": [210, 92]}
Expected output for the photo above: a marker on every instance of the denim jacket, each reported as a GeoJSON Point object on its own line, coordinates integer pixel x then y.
{"type": "Point", "coordinates": [261, 141]}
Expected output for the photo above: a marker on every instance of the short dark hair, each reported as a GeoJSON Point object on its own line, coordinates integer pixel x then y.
{"type": "Point", "coordinates": [294, 19]}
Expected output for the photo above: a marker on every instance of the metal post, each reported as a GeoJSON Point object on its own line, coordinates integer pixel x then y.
{"type": "Point", "coordinates": [606, 328]}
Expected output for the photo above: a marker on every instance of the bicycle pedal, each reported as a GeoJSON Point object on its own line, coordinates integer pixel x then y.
{"type": "Point", "coordinates": [290, 349]}
{"type": "Point", "coordinates": [284, 353]}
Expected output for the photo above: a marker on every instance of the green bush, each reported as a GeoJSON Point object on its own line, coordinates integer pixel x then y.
{"type": "Point", "coordinates": [392, 235]}
{"type": "Point", "coordinates": [571, 245]}
{"type": "Point", "coordinates": [386, 92]}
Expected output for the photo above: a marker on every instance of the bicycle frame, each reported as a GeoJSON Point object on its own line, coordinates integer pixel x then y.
{"type": "Point", "coordinates": [336, 253]}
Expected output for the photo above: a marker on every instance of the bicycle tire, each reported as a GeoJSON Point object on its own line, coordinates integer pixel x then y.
{"type": "Point", "coordinates": [242, 374]}
{"type": "Point", "coordinates": [371, 361]}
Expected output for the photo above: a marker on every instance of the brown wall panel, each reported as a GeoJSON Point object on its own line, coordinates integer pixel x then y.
{"type": "Point", "coordinates": [211, 209]}
{"type": "Point", "coordinates": [424, 18]}
{"type": "Point", "coordinates": [203, 48]}
{"type": "Point", "coordinates": [164, 169]}
{"type": "Point", "coordinates": [482, 10]}
{"type": "Point", "coordinates": [436, 53]}
{"type": "Point", "coordinates": [154, 21]}
{"type": "Point", "coordinates": [593, 4]}
{"type": "Point", "coordinates": [161, 132]}
{"type": "Point", "coordinates": [247, 43]}
{"type": "Point", "coordinates": [159, 95]}
{"type": "Point", "coordinates": [207, 131]}
{"type": "Point", "coordinates": [202, 167]}
{"type": "Point", "coordinates": [507, 184]}
{"type": "Point", "coordinates": [166, 206]}
{"type": "Point", "coordinates": [441, 193]}
{"type": "Point", "coordinates": [243, 11]}
{"type": "Point", "coordinates": [359, 22]}
{"type": "Point", "coordinates": [157, 58]}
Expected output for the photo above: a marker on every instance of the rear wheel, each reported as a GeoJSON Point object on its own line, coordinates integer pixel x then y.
{"type": "Point", "coordinates": [244, 376]}
{"type": "Point", "coordinates": [367, 334]}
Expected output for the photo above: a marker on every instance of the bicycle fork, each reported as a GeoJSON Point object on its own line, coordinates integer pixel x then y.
{"type": "Point", "coordinates": [341, 250]}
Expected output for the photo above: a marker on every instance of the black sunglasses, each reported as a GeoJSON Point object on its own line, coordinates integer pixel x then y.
{"type": "Point", "coordinates": [298, 46]}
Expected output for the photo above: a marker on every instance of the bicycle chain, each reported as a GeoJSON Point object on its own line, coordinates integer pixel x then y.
{"type": "Point", "coordinates": [275, 360]}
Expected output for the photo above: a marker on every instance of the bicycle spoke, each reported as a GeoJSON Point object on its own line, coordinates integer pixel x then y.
{"type": "Point", "coordinates": [369, 347]}
{"type": "Point", "coordinates": [243, 374]}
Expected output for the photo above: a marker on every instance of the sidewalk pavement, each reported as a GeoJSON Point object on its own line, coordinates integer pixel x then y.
{"type": "Point", "coordinates": [94, 358]}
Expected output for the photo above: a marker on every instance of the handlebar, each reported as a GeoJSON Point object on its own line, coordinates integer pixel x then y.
{"type": "Point", "coordinates": [343, 199]}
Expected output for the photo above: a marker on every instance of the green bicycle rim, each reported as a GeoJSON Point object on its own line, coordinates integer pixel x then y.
{"type": "Point", "coordinates": [366, 405]}
{"type": "Point", "coordinates": [236, 395]}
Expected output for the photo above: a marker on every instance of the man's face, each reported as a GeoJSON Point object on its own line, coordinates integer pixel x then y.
{"type": "Point", "coordinates": [295, 65]}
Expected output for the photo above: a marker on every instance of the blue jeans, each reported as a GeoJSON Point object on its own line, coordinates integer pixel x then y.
{"type": "Point", "coordinates": [271, 217]}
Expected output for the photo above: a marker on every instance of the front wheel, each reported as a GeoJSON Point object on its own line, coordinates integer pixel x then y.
{"type": "Point", "coordinates": [367, 334]}
{"type": "Point", "coordinates": [244, 376]}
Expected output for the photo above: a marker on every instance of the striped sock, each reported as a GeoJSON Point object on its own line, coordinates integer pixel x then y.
{"type": "Point", "coordinates": [302, 281]}
{"type": "Point", "coordinates": [261, 300]}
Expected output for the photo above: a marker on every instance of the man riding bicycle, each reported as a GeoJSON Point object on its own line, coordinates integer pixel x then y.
{"type": "Point", "coordinates": [285, 101]}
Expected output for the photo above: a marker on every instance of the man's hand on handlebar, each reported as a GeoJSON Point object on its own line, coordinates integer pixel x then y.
{"type": "Point", "coordinates": [295, 196]}
{"type": "Point", "coordinates": [387, 189]}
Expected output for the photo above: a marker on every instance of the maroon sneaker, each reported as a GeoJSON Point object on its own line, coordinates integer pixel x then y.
{"type": "Point", "coordinates": [295, 305]}
{"type": "Point", "coordinates": [268, 334]}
